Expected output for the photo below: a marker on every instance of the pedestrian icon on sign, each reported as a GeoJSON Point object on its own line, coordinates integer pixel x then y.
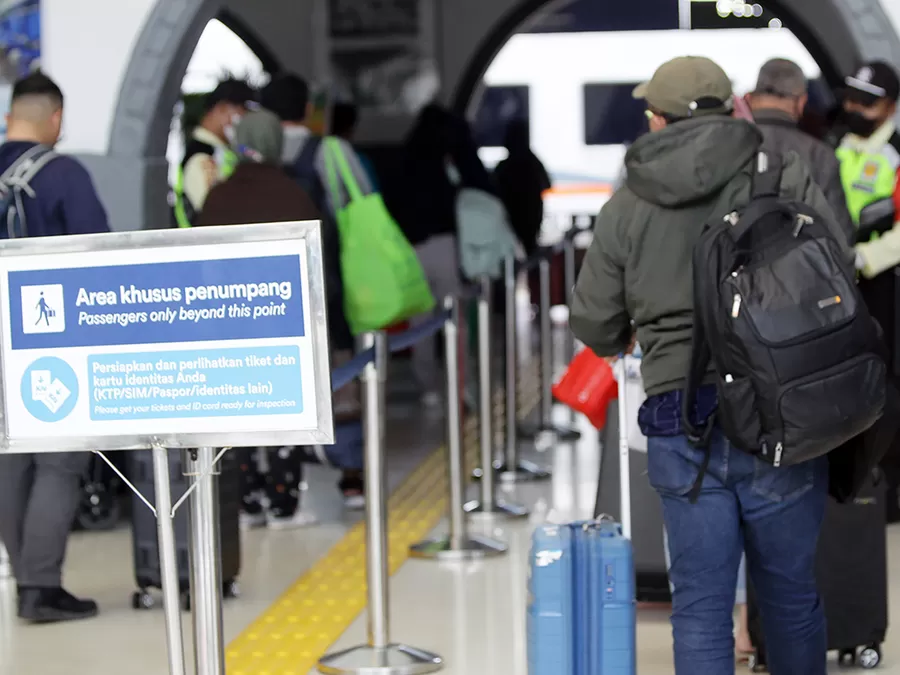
{"type": "Point", "coordinates": [46, 313]}
{"type": "Point", "coordinates": [43, 309]}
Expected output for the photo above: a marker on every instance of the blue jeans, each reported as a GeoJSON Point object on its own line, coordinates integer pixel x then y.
{"type": "Point", "coordinates": [771, 514]}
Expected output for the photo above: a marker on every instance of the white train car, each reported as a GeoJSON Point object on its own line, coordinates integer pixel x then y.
{"type": "Point", "coordinates": [575, 89]}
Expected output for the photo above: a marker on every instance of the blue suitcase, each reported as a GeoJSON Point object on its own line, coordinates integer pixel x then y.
{"type": "Point", "coordinates": [581, 593]}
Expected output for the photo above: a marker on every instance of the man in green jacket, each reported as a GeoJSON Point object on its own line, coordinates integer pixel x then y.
{"type": "Point", "coordinates": [636, 283]}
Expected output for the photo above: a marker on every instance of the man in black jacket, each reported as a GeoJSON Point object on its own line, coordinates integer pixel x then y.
{"type": "Point", "coordinates": [777, 104]}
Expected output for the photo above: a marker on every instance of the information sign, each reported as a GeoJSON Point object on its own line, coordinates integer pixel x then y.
{"type": "Point", "coordinates": [201, 337]}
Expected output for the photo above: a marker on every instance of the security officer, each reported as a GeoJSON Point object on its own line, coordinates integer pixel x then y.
{"type": "Point", "coordinates": [869, 155]}
{"type": "Point", "coordinates": [208, 157]}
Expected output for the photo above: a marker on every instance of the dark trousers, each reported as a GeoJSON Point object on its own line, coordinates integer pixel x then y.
{"type": "Point", "coordinates": [39, 496]}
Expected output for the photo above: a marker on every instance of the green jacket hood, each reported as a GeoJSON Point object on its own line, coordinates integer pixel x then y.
{"type": "Point", "coordinates": [690, 160]}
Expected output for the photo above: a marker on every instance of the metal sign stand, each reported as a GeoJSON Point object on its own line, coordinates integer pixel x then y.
{"type": "Point", "coordinates": [168, 555]}
{"type": "Point", "coordinates": [378, 656]}
{"type": "Point", "coordinates": [489, 505]}
{"type": "Point", "coordinates": [459, 544]}
{"type": "Point", "coordinates": [206, 563]}
{"type": "Point", "coordinates": [209, 285]}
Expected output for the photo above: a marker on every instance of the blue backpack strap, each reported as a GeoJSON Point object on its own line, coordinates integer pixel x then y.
{"type": "Point", "coordinates": [305, 171]}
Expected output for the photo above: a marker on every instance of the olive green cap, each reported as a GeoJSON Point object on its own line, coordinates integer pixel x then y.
{"type": "Point", "coordinates": [688, 86]}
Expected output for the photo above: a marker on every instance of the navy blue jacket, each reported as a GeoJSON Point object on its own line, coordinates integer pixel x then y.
{"type": "Point", "coordinates": [65, 199]}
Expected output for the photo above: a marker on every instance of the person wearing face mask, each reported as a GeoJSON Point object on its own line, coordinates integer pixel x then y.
{"type": "Point", "coordinates": [870, 166]}
{"type": "Point", "coordinates": [777, 104]}
{"type": "Point", "coordinates": [869, 153]}
{"type": "Point", "coordinates": [208, 157]}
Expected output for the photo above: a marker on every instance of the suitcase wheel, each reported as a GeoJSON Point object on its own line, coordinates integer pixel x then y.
{"type": "Point", "coordinates": [231, 589]}
{"type": "Point", "coordinates": [756, 664]}
{"type": "Point", "coordinates": [142, 600]}
{"type": "Point", "coordinates": [847, 657]}
{"type": "Point", "coordinates": [870, 657]}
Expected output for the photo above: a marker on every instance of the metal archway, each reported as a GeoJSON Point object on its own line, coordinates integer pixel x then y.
{"type": "Point", "coordinates": [843, 31]}
{"type": "Point", "coordinates": [837, 33]}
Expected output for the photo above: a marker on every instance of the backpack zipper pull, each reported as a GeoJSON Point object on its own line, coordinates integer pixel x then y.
{"type": "Point", "coordinates": [779, 449]}
{"type": "Point", "coordinates": [736, 306]}
{"type": "Point", "coordinates": [732, 218]}
{"type": "Point", "coordinates": [802, 219]}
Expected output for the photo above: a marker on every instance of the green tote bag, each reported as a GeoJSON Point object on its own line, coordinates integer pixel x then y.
{"type": "Point", "coordinates": [383, 280]}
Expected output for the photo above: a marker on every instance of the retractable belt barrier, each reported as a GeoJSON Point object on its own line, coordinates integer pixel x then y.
{"type": "Point", "coordinates": [379, 654]}
{"type": "Point", "coordinates": [370, 364]}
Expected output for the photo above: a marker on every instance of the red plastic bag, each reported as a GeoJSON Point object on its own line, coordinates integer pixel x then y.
{"type": "Point", "coordinates": [588, 386]}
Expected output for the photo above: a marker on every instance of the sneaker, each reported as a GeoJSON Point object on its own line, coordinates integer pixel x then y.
{"type": "Point", "coordinates": [52, 605]}
{"type": "Point", "coordinates": [293, 522]}
{"type": "Point", "coordinates": [251, 521]}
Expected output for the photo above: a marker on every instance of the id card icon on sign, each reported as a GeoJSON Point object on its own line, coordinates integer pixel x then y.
{"type": "Point", "coordinates": [43, 309]}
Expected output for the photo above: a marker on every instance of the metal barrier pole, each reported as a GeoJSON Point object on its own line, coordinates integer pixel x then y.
{"type": "Point", "coordinates": [459, 545]}
{"type": "Point", "coordinates": [168, 559]}
{"type": "Point", "coordinates": [546, 425]}
{"type": "Point", "coordinates": [489, 504]}
{"type": "Point", "coordinates": [379, 656]}
{"type": "Point", "coordinates": [513, 469]}
{"type": "Point", "coordinates": [206, 562]}
{"type": "Point", "coordinates": [5, 564]}
{"type": "Point", "coordinates": [569, 280]}
{"type": "Point", "coordinates": [624, 450]}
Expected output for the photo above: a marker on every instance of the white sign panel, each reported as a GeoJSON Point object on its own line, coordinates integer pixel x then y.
{"type": "Point", "coordinates": [211, 336]}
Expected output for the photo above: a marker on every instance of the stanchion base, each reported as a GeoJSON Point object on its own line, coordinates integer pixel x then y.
{"type": "Point", "coordinates": [525, 471]}
{"type": "Point", "coordinates": [390, 660]}
{"type": "Point", "coordinates": [560, 433]}
{"type": "Point", "coordinates": [472, 547]}
{"type": "Point", "coordinates": [501, 508]}
{"type": "Point", "coordinates": [478, 472]}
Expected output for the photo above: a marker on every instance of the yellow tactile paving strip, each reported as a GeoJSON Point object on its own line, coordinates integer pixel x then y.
{"type": "Point", "coordinates": [291, 636]}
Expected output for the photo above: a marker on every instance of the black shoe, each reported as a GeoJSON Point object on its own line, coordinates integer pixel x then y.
{"type": "Point", "coordinates": [51, 605]}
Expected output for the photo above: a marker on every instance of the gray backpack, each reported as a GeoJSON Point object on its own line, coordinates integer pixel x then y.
{"type": "Point", "coordinates": [16, 181]}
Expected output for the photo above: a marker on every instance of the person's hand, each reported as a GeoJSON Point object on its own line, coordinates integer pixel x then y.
{"type": "Point", "coordinates": [611, 360]}
{"type": "Point", "coordinates": [210, 172]}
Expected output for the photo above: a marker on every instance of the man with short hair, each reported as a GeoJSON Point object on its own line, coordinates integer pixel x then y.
{"type": "Point", "coordinates": [694, 168]}
{"type": "Point", "coordinates": [39, 493]}
{"type": "Point", "coordinates": [778, 103]}
{"type": "Point", "coordinates": [208, 156]}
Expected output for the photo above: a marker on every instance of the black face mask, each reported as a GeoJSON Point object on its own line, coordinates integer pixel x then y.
{"type": "Point", "coordinates": [859, 124]}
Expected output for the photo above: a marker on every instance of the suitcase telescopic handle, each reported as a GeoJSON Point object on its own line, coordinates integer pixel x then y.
{"type": "Point", "coordinates": [624, 450]}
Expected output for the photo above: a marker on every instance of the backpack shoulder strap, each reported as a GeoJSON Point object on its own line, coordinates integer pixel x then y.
{"type": "Point", "coordinates": [766, 181]}
{"type": "Point", "coordinates": [37, 163]}
{"type": "Point", "coordinates": [22, 162]}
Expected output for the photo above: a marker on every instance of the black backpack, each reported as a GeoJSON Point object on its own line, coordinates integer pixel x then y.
{"type": "Point", "coordinates": [16, 182]}
{"type": "Point", "coordinates": [798, 359]}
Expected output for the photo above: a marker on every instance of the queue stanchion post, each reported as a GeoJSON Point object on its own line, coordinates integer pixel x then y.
{"type": "Point", "coordinates": [379, 656]}
{"type": "Point", "coordinates": [459, 544]}
{"type": "Point", "coordinates": [5, 564]}
{"type": "Point", "coordinates": [569, 280]}
{"type": "Point", "coordinates": [489, 504]}
{"type": "Point", "coordinates": [513, 469]}
{"type": "Point", "coordinates": [168, 559]}
{"type": "Point", "coordinates": [200, 466]}
{"type": "Point", "coordinates": [546, 425]}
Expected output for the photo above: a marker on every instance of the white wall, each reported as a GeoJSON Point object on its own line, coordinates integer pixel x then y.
{"type": "Point", "coordinates": [86, 47]}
